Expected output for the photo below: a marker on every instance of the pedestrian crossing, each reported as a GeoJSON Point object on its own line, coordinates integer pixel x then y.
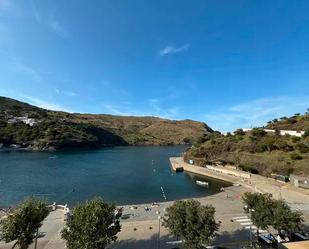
{"type": "Point", "coordinates": [246, 223]}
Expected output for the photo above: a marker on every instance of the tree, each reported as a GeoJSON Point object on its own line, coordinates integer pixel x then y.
{"type": "Point", "coordinates": [193, 223]}
{"type": "Point", "coordinates": [260, 206]}
{"type": "Point", "coordinates": [257, 132]}
{"type": "Point", "coordinates": [295, 156]}
{"type": "Point", "coordinates": [239, 132]}
{"type": "Point", "coordinates": [24, 222]}
{"type": "Point", "coordinates": [94, 225]}
{"type": "Point", "coordinates": [306, 134]}
{"type": "Point", "coordinates": [284, 219]}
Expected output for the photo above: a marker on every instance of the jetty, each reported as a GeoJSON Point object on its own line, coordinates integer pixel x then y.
{"type": "Point", "coordinates": [227, 175]}
{"type": "Point", "coordinates": [176, 165]}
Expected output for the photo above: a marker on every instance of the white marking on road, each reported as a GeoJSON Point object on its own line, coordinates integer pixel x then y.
{"type": "Point", "coordinates": [242, 220]}
{"type": "Point", "coordinates": [240, 217]}
{"type": "Point", "coordinates": [252, 227]}
{"type": "Point", "coordinates": [245, 224]}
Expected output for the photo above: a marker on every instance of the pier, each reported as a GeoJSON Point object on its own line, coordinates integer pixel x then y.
{"type": "Point", "coordinates": [177, 164]}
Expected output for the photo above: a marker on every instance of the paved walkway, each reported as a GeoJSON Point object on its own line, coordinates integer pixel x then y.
{"type": "Point", "coordinates": [50, 229]}
{"type": "Point", "coordinates": [296, 198]}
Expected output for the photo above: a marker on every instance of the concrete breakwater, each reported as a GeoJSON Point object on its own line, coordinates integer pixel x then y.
{"type": "Point", "coordinates": [177, 163]}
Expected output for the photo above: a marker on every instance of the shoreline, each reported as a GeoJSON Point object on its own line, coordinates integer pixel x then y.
{"type": "Point", "coordinates": [86, 147]}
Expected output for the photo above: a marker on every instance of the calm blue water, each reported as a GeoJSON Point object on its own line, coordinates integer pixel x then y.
{"type": "Point", "coordinates": [124, 175]}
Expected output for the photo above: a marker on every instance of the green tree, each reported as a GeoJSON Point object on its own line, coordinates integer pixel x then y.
{"type": "Point", "coordinates": [260, 207]}
{"type": "Point", "coordinates": [193, 223]}
{"type": "Point", "coordinates": [24, 222]}
{"type": "Point", "coordinates": [302, 147]}
{"type": "Point", "coordinates": [257, 132]}
{"type": "Point", "coordinates": [284, 219]}
{"type": "Point", "coordinates": [306, 134]}
{"type": "Point", "coordinates": [295, 156]}
{"type": "Point", "coordinates": [239, 132]}
{"type": "Point", "coordinates": [93, 226]}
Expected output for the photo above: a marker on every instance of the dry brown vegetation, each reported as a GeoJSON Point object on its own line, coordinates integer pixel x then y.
{"type": "Point", "coordinates": [57, 130]}
{"type": "Point", "coordinates": [255, 151]}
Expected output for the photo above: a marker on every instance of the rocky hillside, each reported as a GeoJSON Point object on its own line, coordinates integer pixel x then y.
{"type": "Point", "coordinates": [257, 151]}
{"type": "Point", "coordinates": [297, 122]}
{"type": "Point", "coordinates": [40, 129]}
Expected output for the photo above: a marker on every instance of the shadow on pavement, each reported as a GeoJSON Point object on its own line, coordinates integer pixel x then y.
{"type": "Point", "coordinates": [233, 239]}
{"type": "Point", "coordinates": [151, 243]}
{"type": "Point", "coordinates": [226, 239]}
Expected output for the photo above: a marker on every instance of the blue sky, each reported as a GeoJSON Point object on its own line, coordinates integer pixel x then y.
{"type": "Point", "coordinates": [228, 63]}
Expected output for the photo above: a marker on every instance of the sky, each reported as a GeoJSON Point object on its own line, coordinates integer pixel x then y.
{"type": "Point", "coordinates": [231, 64]}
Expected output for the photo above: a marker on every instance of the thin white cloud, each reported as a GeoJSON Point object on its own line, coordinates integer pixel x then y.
{"type": "Point", "coordinates": [255, 113]}
{"type": "Point", "coordinates": [174, 50]}
{"type": "Point", "coordinates": [45, 104]}
{"type": "Point", "coordinates": [21, 67]}
{"type": "Point", "coordinates": [57, 27]}
{"type": "Point", "coordinates": [67, 93]}
{"type": "Point", "coordinates": [36, 13]}
{"type": "Point", "coordinates": [151, 108]}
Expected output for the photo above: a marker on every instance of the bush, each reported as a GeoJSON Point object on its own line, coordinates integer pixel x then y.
{"type": "Point", "coordinates": [239, 132]}
{"type": "Point", "coordinates": [306, 134]}
{"type": "Point", "coordinates": [302, 147]}
{"type": "Point", "coordinates": [295, 139]}
{"type": "Point", "coordinates": [248, 168]}
{"type": "Point", "coordinates": [256, 132]}
{"type": "Point", "coordinates": [296, 156]}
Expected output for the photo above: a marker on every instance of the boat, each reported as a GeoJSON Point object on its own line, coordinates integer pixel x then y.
{"type": "Point", "coordinates": [201, 183]}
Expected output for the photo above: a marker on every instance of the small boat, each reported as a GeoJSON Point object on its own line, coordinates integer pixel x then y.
{"type": "Point", "coordinates": [201, 183]}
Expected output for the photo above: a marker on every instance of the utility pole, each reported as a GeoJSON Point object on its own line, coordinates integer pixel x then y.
{"type": "Point", "coordinates": [159, 231]}
{"type": "Point", "coordinates": [250, 211]}
{"type": "Point", "coordinates": [36, 239]}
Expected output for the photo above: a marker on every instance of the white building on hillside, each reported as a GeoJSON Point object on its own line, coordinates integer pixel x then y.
{"type": "Point", "coordinates": [282, 132]}
{"type": "Point", "coordinates": [26, 120]}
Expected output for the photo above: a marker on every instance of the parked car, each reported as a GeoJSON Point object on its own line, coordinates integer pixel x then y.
{"type": "Point", "coordinates": [267, 239]}
{"type": "Point", "coordinates": [300, 236]}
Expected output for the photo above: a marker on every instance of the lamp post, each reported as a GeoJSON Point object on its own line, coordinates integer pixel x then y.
{"type": "Point", "coordinates": [159, 231]}
{"type": "Point", "coordinates": [250, 231]}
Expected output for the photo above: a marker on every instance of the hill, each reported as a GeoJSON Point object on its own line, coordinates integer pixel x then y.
{"type": "Point", "coordinates": [297, 122]}
{"type": "Point", "coordinates": [39, 129]}
{"type": "Point", "coordinates": [257, 151]}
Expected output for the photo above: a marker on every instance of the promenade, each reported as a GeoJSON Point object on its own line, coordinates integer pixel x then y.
{"type": "Point", "coordinates": [297, 198]}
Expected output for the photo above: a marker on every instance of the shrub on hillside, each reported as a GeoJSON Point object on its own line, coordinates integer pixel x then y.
{"type": "Point", "coordinates": [296, 156]}
{"type": "Point", "coordinates": [248, 168]}
{"type": "Point", "coordinates": [295, 139]}
{"type": "Point", "coordinates": [239, 132]}
{"type": "Point", "coordinates": [302, 147]}
{"type": "Point", "coordinates": [256, 132]}
{"type": "Point", "coordinates": [306, 134]}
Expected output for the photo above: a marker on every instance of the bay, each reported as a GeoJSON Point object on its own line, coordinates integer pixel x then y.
{"type": "Point", "coordinates": [123, 175]}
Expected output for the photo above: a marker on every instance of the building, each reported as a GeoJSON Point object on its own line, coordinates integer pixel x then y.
{"type": "Point", "coordinates": [25, 119]}
{"type": "Point", "coordinates": [300, 181]}
{"type": "Point", "coordinates": [282, 132]}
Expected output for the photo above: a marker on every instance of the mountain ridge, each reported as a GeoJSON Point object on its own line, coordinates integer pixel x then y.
{"type": "Point", "coordinates": [39, 129]}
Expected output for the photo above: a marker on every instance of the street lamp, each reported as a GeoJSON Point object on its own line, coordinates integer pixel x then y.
{"type": "Point", "coordinates": [250, 211]}
{"type": "Point", "coordinates": [159, 231]}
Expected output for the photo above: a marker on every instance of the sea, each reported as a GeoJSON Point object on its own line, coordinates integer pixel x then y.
{"type": "Point", "coordinates": [122, 175]}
